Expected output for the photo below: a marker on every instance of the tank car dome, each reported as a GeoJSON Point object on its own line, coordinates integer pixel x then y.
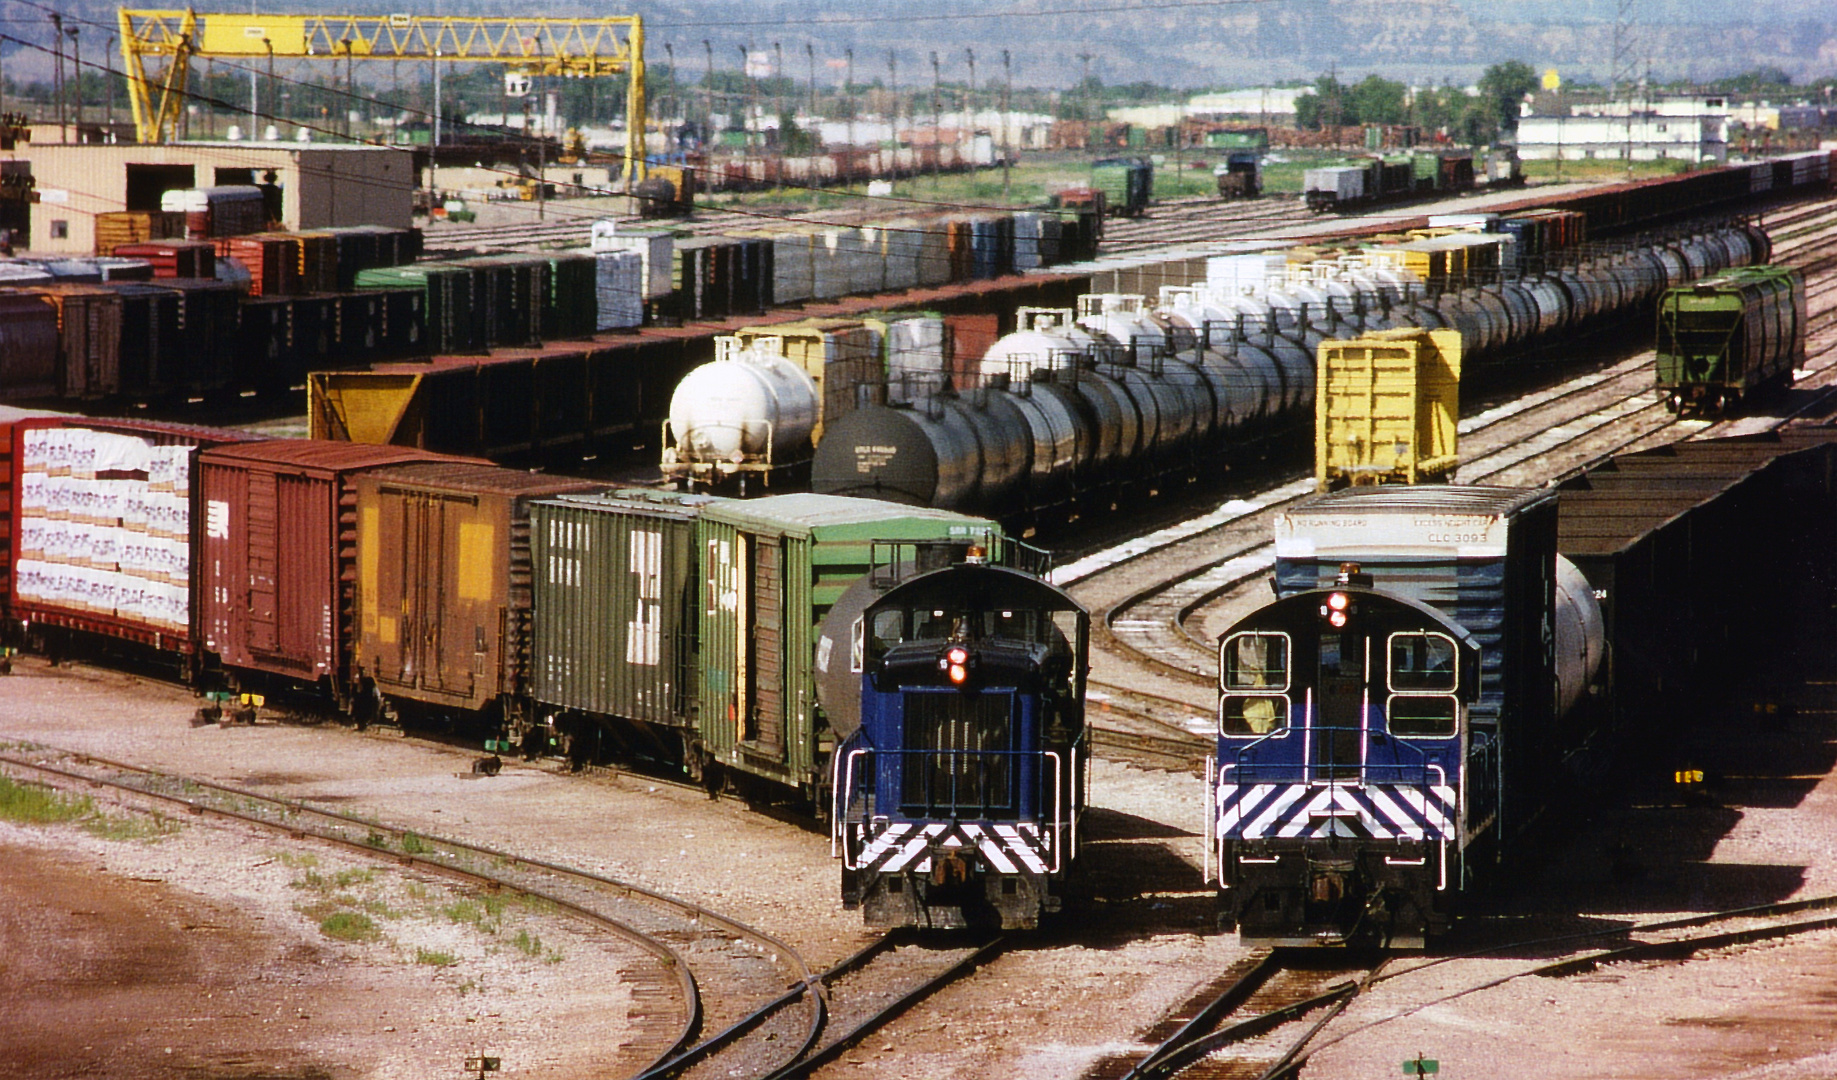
{"type": "Point", "coordinates": [1025, 351]}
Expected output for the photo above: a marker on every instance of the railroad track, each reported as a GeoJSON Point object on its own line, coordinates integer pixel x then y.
{"type": "Point", "coordinates": [706, 969]}
{"type": "Point", "coordinates": [847, 1004]}
{"type": "Point", "coordinates": [1661, 941]}
{"type": "Point", "coordinates": [1255, 1020]}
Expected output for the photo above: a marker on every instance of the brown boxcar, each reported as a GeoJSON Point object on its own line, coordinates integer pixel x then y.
{"type": "Point", "coordinates": [29, 342]}
{"type": "Point", "coordinates": [444, 590]}
{"type": "Point", "coordinates": [277, 555]}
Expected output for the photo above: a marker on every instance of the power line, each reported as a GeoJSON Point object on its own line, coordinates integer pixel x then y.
{"type": "Point", "coordinates": [1006, 14]}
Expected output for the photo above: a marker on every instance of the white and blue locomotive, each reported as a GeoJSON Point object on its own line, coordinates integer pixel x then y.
{"type": "Point", "coordinates": [961, 783]}
{"type": "Point", "coordinates": [1397, 716]}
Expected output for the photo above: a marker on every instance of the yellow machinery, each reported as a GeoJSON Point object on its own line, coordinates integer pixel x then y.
{"type": "Point", "coordinates": [588, 48]}
{"type": "Point", "coordinates": [1385, 408]}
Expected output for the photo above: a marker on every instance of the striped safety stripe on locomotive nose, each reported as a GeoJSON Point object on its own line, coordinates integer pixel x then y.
{"type": "Point", "coordinates": [1373, 812]}
{"type": "Point", "coordinates": [894, 846]}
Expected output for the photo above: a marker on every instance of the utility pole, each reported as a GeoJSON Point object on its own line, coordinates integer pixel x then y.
{"type": "Point", "coordinates": [969, 96]}
{"type": "Point", "coordinates": [110, 77]}
{"type": "Point", "coordinates": [708, 96]}
{"type": "Point", "coordinates": [436, 148]}
{"type": "Point", "coordinates": [669, 50]}
{"type": "Point", "coordinates": [57, 79]}
{"type": "Point", "coordinates": [937, 143]}
{"type": "Point", "coordinates": [778, 106]}
{"type": "Point", "coordinates": [1623, 69]}
{"type": "Point", "coordinates": [350, 92]}
{"type": "Point", "coordinates": [752, 92]}
{"type": "Point", "coordinates": [1007, 94]}
{"type": "Point", "coordinates": [848, 88]}
{"type": "Point", "coordinates": [810, 55]}
{"type": "Point", "coordinates": [893, 81]}
{"type": "Point", "coordinates": [76, 46]}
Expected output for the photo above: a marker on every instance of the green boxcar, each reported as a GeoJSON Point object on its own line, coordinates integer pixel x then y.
{"type": "Point", "coordinates": [773, 567]}
{"type": "Point", "coordinates": [617, 592]}
{"type": "Point", "coordinates": [571, 309]}
{"type": "Point", "coordinates": [1730, 335]}
{"type": "Point", "coordinates": [1125, 182]}
{"type": "Point", "coordinates": [1245, 139]}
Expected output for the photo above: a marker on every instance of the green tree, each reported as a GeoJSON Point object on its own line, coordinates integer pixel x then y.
{"type": "Point", "coordinates": [1504, 87]}
{"type": "Point", "coordinates": [1377, 101]}
{"type": "Point", "coordinates": [1325, 104]}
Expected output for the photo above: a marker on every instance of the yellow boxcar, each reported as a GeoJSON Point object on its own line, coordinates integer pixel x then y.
{"type": "Point", "coordinates": [1386, 408]}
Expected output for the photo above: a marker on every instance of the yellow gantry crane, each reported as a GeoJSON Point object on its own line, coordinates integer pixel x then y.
{"type": "Point", "coordinates": [582, 48]}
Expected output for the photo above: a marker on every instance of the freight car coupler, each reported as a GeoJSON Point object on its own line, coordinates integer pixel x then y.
{"type": "Point", "coordinates": [948, 867]}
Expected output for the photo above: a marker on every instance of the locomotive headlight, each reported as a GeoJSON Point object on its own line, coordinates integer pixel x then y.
{"type": "Point", "coordinates": [1338, 601]}
{"type": "Point", "coordinates": [958, 673]}
{"type": "Point", "coordinates": [956, 664]}
{"type": "Point", "coordinates": [1337, 619]}
{"type": "Point", "coordinates": [957, 654]}
{"type": "Point", "coordinates": [1335, 610]}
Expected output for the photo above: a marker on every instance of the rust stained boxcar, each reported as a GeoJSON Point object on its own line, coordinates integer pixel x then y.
{"type": "Point", "coordinates": [443, 582]}
{"type": "Point", "coordinates": [277, 554]}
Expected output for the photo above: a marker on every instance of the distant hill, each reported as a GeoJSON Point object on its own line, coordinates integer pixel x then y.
{"type": "Point", "coordinates": [1178, 42]}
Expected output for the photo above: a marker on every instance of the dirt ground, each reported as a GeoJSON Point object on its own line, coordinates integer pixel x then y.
{"type": "Point", "coordinates": [196, 951]}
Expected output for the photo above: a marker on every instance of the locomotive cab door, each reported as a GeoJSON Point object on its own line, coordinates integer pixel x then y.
{"type": "Point", "coordinates": [1336, 724]}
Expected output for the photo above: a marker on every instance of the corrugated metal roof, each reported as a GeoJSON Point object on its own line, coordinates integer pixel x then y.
{"type": "Point", "coordinates": [320, 454]}
{"type": "Point", "coordinates": [669, 503]}
{"type": "Point", "coordinates": [806, 511]}
{"type": "Point", "coordinates": [1618, 504]}
{"type": "Point", "coordinates": [1423, 499]}
{"type": "Point", "coordinates": [467, 478]}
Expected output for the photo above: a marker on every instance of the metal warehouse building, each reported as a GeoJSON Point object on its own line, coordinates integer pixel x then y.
{"type": "Point", "coordinates": [321, 185]}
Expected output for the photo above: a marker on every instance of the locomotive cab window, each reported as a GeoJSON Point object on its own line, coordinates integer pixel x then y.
{"type": "Point", "coordinates": [1423, 679]}
{"type": "Point", "coordinates": [889, 630]}
{"type": "Point", "coordinates": [1422, 662]}
{"type": "Point", "coordinates": [1256, 681]}
{"type": "Point", "coordinates": [1256, 662]}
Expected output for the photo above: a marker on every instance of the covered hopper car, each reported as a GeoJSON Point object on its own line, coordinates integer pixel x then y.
{"type": "Point", "coordinates": [1727, 337]}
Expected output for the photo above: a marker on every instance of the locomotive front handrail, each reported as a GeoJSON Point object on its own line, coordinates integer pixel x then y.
{"type": "Point", "coordinates": [1058, 824]}
{"type": "Point", "coordinates": [847, 798]}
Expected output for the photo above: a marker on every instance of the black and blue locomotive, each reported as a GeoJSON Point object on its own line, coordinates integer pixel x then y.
{"type": "Point", "coordinates": [960, 786]}
{"type": "Point", "coordinates": [1398, 713]}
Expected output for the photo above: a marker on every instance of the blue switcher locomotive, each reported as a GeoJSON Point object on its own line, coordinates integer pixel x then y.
{"type": "Point", "coordinates": [1397, 713]}
{"type": "Point", "coordinates": [961, 781]}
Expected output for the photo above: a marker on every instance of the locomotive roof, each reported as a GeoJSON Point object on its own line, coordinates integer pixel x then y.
{"type": "Point", "coordinates": [981, 587]}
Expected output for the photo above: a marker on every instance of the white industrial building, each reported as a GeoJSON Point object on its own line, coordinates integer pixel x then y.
{"type": "Point", "coordinates": [1642, 137]}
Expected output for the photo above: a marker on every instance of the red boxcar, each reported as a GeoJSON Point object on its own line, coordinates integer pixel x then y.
{"type": "Point", "coordinates": [276, 554]}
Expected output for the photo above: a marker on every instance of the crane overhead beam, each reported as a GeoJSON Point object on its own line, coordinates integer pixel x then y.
{"type": "Point", "coordinates": [586, 48]}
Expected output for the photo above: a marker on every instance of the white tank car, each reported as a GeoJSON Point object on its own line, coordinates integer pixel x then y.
{"type": "Point", "coordinates": [749, 411]}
